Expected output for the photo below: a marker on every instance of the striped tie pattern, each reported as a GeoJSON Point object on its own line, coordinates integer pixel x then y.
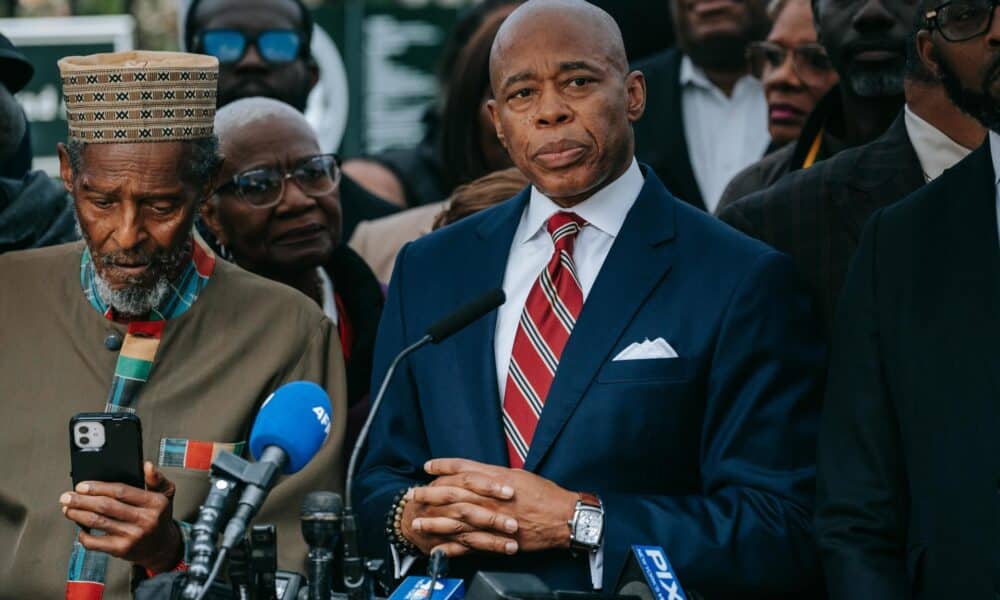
{"type": "Point", "coordinates": [549, 314]}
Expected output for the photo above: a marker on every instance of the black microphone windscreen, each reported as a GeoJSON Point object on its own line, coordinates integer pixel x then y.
{"type": "Point", "coordinates": [321, 503]}
{"type": "Point", "coordinates": [465, 315]}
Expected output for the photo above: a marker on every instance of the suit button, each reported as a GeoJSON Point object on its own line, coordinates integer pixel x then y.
{"type": "Point", "coordinates": [113, 342]}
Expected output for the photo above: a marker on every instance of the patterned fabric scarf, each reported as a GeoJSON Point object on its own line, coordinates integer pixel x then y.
{"type": "Point", "coordinates": [87, 568]}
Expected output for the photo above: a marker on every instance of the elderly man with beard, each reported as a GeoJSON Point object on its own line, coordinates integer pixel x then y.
{"type": "Point", "coordinates": [908, 470]}
{"type": "Point", "coordinates": [866, 42]}
{"type": "Point", "coordinates": [706, 116]}
{"type": "Point", "coordinates": [141, 317]}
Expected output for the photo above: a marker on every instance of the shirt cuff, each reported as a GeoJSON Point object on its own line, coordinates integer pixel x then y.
{"type": "Point", "coordinates": [400, 566]}
{"type": "Point", "coordinates": [597, 567]}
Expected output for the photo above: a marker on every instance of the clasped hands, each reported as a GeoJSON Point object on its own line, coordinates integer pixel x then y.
{"type": "Point", "coordinates": [138, 524]}
{"type": "Point", "coordinates": [475, 507]}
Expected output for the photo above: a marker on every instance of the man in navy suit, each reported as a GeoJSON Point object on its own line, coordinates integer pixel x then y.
{"type": "Point", "coordinates": [652, 378]}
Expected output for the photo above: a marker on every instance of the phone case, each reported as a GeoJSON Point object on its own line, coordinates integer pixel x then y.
{"type": "Point", "coordinates": [120, 458]}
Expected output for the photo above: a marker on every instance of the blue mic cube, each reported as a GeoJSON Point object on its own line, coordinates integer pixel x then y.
{"type": "Point", "coordinates": [418, 588]}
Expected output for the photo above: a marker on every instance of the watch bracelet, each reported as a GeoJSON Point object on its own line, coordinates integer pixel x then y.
{"type": "Point", "coordinates": [393, 523]}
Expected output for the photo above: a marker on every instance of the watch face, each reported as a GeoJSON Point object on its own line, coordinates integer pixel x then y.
{"type": "Point", "coordinates": [588, 527]}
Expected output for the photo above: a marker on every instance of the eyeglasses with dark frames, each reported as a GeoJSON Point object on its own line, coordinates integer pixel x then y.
{"type": "Point", "coordinates": [264, 187]}
{"type": "Point", "coordinates": [961, 20]}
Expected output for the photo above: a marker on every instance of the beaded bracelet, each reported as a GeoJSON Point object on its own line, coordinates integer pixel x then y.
{"type": "Point", "coordinates": [393, 526]}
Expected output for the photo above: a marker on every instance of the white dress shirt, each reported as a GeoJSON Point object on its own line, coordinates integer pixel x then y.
{"type": "Point", "coordinates": [995, 154]}
{"type": "Point", "coordinates": [532, 248]}
{"type": "Point", "coordinates": [935, 150]}
{"type": "Point", "coordinates": [530, 252]}
{"type": "Point", "coordinates": [724, 134]}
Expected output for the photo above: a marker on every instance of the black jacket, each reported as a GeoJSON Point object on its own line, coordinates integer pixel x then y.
{"type": "Point", "coordinates": [659, 135]}
{"type": "Point", "coordinates": [34, 212]}
{"type": "Point", "coordinates": [816, 215]}
{"type": "Point", "coordinates": [828, 114]}
{"type": "Point", "coordinates": [909, 452]}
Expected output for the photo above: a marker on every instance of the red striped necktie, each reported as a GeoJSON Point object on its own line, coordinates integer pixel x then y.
{"type": "Point", "coordinates": [547, 320]}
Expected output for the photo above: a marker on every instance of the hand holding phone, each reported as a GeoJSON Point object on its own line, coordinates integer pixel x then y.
{"type": "Point", "coordinates": [137, 523]}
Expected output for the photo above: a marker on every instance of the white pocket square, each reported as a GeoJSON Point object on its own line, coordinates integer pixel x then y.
{"type": "Point", "coordinates": [658, 348]}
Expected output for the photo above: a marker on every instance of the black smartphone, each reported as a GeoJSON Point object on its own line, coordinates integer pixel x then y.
{"type": "Point", "coordinates": [106, 447]}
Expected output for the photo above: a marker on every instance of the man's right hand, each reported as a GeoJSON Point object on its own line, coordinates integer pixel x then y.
{"type": "Point", "coordinates": [463, 509]}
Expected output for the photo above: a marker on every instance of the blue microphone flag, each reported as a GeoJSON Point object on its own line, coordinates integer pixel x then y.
{"type": "Point", "coordinates": [659, 574]}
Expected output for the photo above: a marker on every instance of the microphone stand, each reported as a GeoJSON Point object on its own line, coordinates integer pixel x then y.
{"type": "Point", "coordinates": [355, 577]}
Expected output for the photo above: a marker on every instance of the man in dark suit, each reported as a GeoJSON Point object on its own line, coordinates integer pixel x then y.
{"type": "Point", "coordinates": [707, 116]}
{"type": "Point", "coordinates": [652, 375]}
{"type": "Point", "coordinates": [909, 446]}
{"type": "Point", "coordinates": [816, 215]}
{"type": "Point", "coordinates": [866, 42]}
{"type": "Point", "coordinates": [263, 68]}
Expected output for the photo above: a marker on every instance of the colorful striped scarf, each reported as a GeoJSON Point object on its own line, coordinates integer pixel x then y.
{"type": "Point", "coordinates": [88, 568]}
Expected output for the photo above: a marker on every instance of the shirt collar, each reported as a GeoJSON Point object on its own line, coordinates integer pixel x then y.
{"type": "Point", "coordinates": [995, 155]}
{"type": "Point", "coordinates": [605, 210]}
{"type": "Point", "coordinates": [329, 300]}
{"type": "Point", "coordinates": [935, 150]}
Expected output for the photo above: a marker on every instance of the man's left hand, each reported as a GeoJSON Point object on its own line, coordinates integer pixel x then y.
{"type": "Point", "coordinates": [138, 524]}
{"type": "Point", "coordinates": [542, 508]}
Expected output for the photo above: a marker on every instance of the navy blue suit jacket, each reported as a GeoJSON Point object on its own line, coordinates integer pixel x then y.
{"type": "Point", "coordinates": [710, 455]}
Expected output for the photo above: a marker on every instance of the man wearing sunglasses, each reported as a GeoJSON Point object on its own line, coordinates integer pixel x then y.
{"type": "Point", "coordinates": [908, 472]}
{"type": "Point", "coordinates": [263, 50]}
{"type": "Point", "coordinates": [276, 211]}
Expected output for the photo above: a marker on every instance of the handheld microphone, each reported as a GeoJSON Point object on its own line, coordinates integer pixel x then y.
{"type": "Point", "coordinates": [290, 429]}
{"type": "Point", "coordinates": [211, 515]}
{"type": "Point", "coordinates": [354, 573]}
{"type": "Point", "coordinates": [320, 518]}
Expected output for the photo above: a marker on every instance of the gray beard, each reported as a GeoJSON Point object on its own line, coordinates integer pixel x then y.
{"type": "Point", "coordinates": [132, 301]}
{"type": "Point", "coordinates": [876, 84]}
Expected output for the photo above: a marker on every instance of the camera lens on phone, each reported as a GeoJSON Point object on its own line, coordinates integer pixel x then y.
{"type": "Point", "coordinates": [85, 440]}
{"type": "Point", "coordinates": [84, 430]}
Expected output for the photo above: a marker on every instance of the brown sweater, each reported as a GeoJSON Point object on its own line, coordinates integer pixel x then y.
{"type": "Point", "coordinates": [244, 337]}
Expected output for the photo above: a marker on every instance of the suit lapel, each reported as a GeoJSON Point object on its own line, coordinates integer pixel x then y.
{"type": "Point", "coordinates": [886, 172]}
{"type": "Point", "coordinates": [490, 257]}
{"type": "Point", "coordinates": [639, 259]}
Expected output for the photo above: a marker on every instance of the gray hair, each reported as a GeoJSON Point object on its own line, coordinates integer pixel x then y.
{"type": "Point", "coordinates": [202, 160]}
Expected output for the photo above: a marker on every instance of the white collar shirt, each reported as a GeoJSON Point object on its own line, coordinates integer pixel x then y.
{"type": "Point", "coordinates": [724, 134]}
{"type": "Point", "coordinates": [935, 150]}
{"type": "Point", "coordinates": [532, 248]}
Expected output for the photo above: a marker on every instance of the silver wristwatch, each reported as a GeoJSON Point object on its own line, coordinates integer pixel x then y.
{"type": "Point", "coordinates": [586, 529]}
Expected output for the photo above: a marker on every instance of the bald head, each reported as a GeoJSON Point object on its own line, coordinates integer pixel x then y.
{"type": "Point", "coordinates": [240, 122]}
{"type": "Point", "coordinates": [564, 100]}
{"type": "Point", "coordinates": [575, 18]}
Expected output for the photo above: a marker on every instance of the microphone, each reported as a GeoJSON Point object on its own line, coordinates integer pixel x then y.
{"type": "Point", "coordinates": [211, 515]}
{"type": "Point", "coordinates": [464, 316]}
{"type": "Point", "coordinates": [433, 586]}
{"type": "Point", "coordinates": [290, 428]}
{"type": "Point", "coordinates": [354, 574]}
{"type": "Point", "coordinates": [648, 575]}
{"type": "Point", "coordinates": [320, 518]}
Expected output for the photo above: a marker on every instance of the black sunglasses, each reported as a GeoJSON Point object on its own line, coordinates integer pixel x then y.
{"type": "Point", "coordinates": [962, 20]}
{"type": "Point", "coordinates": [230, 45]}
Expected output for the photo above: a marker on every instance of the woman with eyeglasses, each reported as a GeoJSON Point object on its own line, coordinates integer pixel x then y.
{"type": "Point", "coordinates": [276, 212]}
{"type": "Point", "coordinates": [793, 67]}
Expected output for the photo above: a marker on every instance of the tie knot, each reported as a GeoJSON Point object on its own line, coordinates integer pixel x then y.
{"type": "Point", "coordinates": [564, 225]}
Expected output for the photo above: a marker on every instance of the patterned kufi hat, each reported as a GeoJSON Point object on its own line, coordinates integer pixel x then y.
{"type": "Point", "coordinates": [139, 96]}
